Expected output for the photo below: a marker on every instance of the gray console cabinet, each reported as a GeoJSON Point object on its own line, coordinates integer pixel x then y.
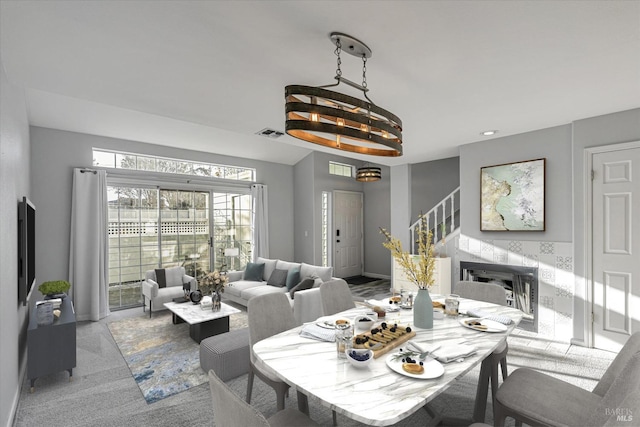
{"type": "Point", "coordinates": [52, 348]}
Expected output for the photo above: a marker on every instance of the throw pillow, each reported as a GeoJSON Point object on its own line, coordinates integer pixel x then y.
{"type": "Point", "coordinates": [161, 278]}
{"type": "Point", "coordinates": [305, 284]}
{"type": "Point", "coordinates": [278, 278]}
{"type": "Point", "coordinates": [253, 272]}
{"type": "Point", "coordinates": [293, 277]}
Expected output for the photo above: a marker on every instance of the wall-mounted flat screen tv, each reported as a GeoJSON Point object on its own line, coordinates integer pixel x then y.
{"type": "Point", "coordinates": [26, 249]}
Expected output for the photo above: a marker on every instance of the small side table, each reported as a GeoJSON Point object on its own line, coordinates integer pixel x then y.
{"type": "Point", "coordinates": [51, 348]}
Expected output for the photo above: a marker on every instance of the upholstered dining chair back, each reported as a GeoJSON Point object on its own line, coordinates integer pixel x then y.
{"type": "Point", "coordinates": [268, 315]}
{"type": "Point", "coordinates": [631, 348]}
{"type": "Point", "coordinates": [231, 411]}
{"type": "Point", "coordinates": [480, 291]}
{"type": "Point", "coordinates": [536, 398]}
{"type": "Point", "coordinates": [623, 395]}
{"type": "Point", "coordinates": [336, 297]}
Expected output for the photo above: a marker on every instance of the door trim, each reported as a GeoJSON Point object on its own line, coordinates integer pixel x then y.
{"type": "Point", "coordinates": [333, 225]}
{"type": "Point", "coordinates": [588, 232]}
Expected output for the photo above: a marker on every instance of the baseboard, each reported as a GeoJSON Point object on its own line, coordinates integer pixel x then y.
{"type": "Point", "coordinates": [578, 342]}
{"type": "Point", "coordinates": [16, 397]}
{"type": "Point", "coordinates": [377, 276]}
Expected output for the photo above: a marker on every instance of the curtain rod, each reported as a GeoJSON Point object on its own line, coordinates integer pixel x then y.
{"type": "Point", "coordinates": [88, 170]}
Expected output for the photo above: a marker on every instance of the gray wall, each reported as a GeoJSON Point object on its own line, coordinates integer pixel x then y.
{"type": "Point", "coordinates": [377, 213]}
{"type": "Point", "coordinates": [554, 144]}
{"type": "Point", "coordinates": [431, 182]}
{"type": "Point", "coordinates": [14, 184]}
{"type": "Point", "coordinates": [312, 177]}
{"type": "Point", "coordinates": [593, 132]}
{"type": "Point", "coordinates": [55, 153]}
{"type": "Point", "coordinates": [304, 208]}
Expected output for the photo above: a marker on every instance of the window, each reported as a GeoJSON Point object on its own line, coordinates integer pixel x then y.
{"type": "Point", "coordinates": [326, 228]}
{"type": "Point", "coordinates": [158, 228]}
{"type": "Point", "coordinates": [120, 160]}
{"type": "Point", "coordinates": [341, 169]}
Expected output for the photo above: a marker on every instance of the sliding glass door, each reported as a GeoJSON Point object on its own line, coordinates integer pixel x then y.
{"type": "Point", "coordinates": [158, 228]}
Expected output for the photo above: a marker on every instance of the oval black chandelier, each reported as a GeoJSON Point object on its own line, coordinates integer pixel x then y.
{"type": "Point", "coordinates": [332, 119]}
{"type": "Point", "coordinates": [368, 174]}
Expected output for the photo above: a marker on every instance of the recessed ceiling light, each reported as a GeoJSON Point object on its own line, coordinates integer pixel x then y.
{"type": "Point", "coordinates": [488, 132]}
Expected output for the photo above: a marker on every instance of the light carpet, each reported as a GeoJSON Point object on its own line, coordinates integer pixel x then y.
{"type": "Point", "coordinates": [162, 357]}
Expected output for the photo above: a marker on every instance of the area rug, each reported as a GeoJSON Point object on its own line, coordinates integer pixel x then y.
{"type": "Point", "coordinates": [162, 357]}
{"type": "Point", "coordinates": [371, 289]}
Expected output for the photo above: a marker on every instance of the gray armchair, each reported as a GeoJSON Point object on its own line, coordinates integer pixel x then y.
{"type": "Point", "coordinates": [156, 295]}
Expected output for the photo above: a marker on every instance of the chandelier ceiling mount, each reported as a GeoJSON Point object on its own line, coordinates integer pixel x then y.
{"type": "Point", "coordinates": [332, 119]}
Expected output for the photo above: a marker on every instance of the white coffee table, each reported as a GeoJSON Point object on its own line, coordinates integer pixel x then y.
{"type": "Point", "coordinates": [202, 323]}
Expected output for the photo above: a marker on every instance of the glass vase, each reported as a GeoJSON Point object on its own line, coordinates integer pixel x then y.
{"type": "Point", "coordinates": [216, 299]}
{"type": "Point", "coordinates": [423, 310]}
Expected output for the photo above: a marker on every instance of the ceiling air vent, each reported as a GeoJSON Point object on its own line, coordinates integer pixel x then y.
{"type": "Point", "coordinates": [270, 133]}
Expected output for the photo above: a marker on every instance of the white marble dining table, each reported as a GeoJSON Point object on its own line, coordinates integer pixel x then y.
{"type": "Point", "coordinates": [376, 395]}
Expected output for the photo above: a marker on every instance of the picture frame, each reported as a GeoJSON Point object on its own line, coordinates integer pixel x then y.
{"type": "Point", "coordinates": [512, 196]}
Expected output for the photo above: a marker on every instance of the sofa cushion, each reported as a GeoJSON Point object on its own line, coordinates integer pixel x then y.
{"type": "Point", "coordinates": [236, 288]}
{"type": "Point", "coordinates": [278, 278]}
{"type": "Point", "coordinates": [304, 284]}
{"type": "Point", "coordinates": [174, 276]}
{"type": "Point", "coordinates": [269, 266]}
{"type": "Point", "coordinates": [260, 290]}
{"type": "Point", "coordinates": [285, 265]}
{"type": "Point", "coordinates": [161, 278]}
{"type": "Point", "coordinates": [307, 270]}
{"type": "Point", "coordinates": [293, 277]}
{"type": "Point", "coordinates": [253, 272]}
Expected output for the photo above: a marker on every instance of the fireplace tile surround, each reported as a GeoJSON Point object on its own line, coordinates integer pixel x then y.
{"type": "Point", "coordinates": [554, 261]}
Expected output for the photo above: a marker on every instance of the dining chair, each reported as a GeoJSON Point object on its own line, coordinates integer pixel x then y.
{"type": "Point", "coordinates": [268, 315]}
{"type": "Point", "coordinates": [230, 411]}
{"type": "Point", "coordinates": [535, 398]}
{"type": "Point", "coordinates": [336, 297]}
{"type": "Point", "coordinates": [493, 293]}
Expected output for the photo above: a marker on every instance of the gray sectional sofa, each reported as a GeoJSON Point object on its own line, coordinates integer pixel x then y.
{"type": "Point", "coordinates": [306, 303]}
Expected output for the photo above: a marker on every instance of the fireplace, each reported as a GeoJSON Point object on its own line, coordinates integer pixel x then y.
{"type": "Point", "coordinates": [520, 284]}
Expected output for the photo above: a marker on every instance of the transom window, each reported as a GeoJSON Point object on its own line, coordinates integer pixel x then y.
{"type": "Point", "coordinates": [131, 161]}
{"type": "Point", "coordinates": [341, 169]}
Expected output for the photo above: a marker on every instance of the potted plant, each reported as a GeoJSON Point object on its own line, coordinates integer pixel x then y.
{"type": "Point", "coordinates": [54, 288]}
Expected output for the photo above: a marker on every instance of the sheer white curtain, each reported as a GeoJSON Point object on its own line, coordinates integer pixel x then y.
{"type": "Point", "coordinates": [260, 221]}
{"type": "Point", "coordinates": [88, 255]}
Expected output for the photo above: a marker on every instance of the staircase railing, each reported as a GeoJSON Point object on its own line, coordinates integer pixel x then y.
{"type": "Point", "coordinates": [436, 219]}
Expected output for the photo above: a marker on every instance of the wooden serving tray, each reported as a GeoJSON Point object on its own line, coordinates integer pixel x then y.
{"type": "Point", "coordinates": [387, 346]}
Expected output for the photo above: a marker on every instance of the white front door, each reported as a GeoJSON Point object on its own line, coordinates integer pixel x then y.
{"type": "Point", "coordinates": [347, 233]}
{"type": "Point", "coordinates": [616, 247]}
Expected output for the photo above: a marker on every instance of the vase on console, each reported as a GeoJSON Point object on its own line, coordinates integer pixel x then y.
{"type": "Point", "coordinates": [423, 310]}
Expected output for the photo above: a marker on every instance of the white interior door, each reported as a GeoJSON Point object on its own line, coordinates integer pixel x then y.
{"type": "Point", "coordinates": [347, 233]}
{"type": "Point", "coordinates": [616, 247]}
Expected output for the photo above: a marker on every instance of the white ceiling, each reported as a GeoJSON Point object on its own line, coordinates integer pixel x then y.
{"type": "Point", "coordinates": [207, 75]}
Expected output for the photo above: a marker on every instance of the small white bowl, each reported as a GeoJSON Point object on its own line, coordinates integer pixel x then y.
{"type": "Point", "coordinates": [364, 323]}
{"type": "Point", "coordinates": [360, 351]}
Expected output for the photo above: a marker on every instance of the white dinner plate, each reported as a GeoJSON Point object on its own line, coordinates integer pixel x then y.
{"type": "Point", "coordinates": [328, 324]}
{"type": "Point", "coordinates": [432, 368]}
{"type": "Point", "coordinates": [491, 325]}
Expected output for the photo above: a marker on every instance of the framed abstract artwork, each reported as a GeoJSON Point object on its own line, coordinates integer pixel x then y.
{"type": "Point", "coordinates": [512, 196]}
